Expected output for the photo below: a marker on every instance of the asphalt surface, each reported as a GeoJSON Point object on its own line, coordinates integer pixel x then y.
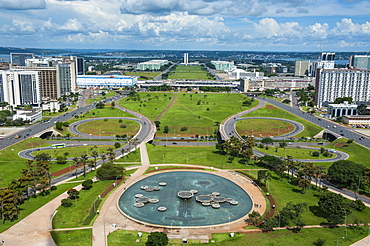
{"type": "Point", "coordinates": [328, 125]}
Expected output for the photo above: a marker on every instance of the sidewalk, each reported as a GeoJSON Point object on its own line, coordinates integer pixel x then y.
{"type": "Point", "coordinates": [34, 229]}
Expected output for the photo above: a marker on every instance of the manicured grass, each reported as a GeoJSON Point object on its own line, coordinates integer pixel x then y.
{"type": "Point", "coordinates": [272, 111]}
{"type": "Point", "coordinates": [75, 151]}
{"type": "Point", "coordinates": [204, 156]}
{"type": "Point", "coordinates": [143, 75]}
{"type": "Point", "coordinates": [263, 127]}
{"type": "Point", "coordinates": [33, 204]}
{"type": "Point", "coordinates": [73, 238]}
{"type": "Point", "coordinates": [356, 152]}
{"type": "Point", "coordinates": [75, 216]}
{"type": "Point", "coordinates": [110, 127]}
{"type": "Point", "coordinates": [190, 73]}
{"type": "Point", "coordinates": [132, 157]}
{"type": "Point", "coordinates": [126, 238]}
{"type": "Point", "coordinates": [286, 237]}
{"type": "Point", "coordinates": [296, 153]}
{"type": "Point", "coordinates": [283, 192]}
{"type": "Point", "coordinates": [200, 112]}
{"type": "Point", "coordinates": [151, 104]}
{"type": "Point", "coordinates": [11, 164]}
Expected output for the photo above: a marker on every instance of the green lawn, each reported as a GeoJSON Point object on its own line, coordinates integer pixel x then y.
{"type": "Point", "coordinates": [126, 238]}
{"type": "Point", "coordinates": [110, 127]}
{"type": "Point", "coordinates": [33, 204]}
{"type": "Point", "coordinates": [143, 75]}
{"type": "Point", "coordinates": [204, 156]}
{"type": "Point", "coordinates": [272, 111]}
{"type": "Point", "coordinates": [284, 192]}
{"type": "Point", "coordinates": [190, 73]}
{"type": "Point", "coordinates": [73, 238]}
{"type": "Point", "coordinates": [76, 215]}
{"type": "Point", "coordinates": [356, 152]}
{"type": "Point", "coordinates": [263, 127]}
{"type": "Point", "coordinates": [296, 153]}
{"type": "Point", "coordinates": [286, 237]}
{"type": "Point", "coordinates": [151, 104]}
{"type": "Point", "coordinates": [200, 112]}
{"type": "Point", "coordinates": [75, 151]}
{"type": "Point", "coordinates": [11, 164]}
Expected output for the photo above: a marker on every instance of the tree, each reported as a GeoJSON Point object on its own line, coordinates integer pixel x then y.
{"type": "Point", "coordinates": [334, 206]}
{"type": "Point", "coordinates": [166, 129]}
{"type": "Point", "coordinates": [87, 184]}
{"type": "Point", "coordinates": [42, 157]}
{"type": "Point", "coordinates": [109, 171]}
{"type": "Point", "coordinates": [73, 193]}
{"type": "Point", "coordinates": [61, 160]}
{"type": "Point", "coordinates": [267, 141]}
{"type": "Point", "coordinates": [282, 145]}
{"type": "Point", "coordinates": [254, 217]}
{"type": "Point", "coordinates": [340, 100]}
{"type": "Point", "coordinates": [346, 172]}
{"type": "Point", "coordinates": [304, 184]}
{"type": "Point", "coordinates": [157, 239]}
{"type": "Point", "coordinates": [362, 109]}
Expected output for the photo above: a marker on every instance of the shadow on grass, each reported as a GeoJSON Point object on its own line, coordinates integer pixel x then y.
{"type": "Point", "coordinates": [317, 211]}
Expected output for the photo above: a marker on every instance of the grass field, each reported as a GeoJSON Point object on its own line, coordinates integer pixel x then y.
{"type": "Point", "coordinates": [356, 152]}
{"type": "Point", "coordinates": [76, 215]}
{"type": "Point", "coordinates": [33, 204]}
{"type": "Point", "coordinates": [73, 238]}
{"type": "Point", "coordinates": [75, 151]}
{"type": "Point", "coordinates": [143, 75]}
{"type": "Point", "coordinates": [332, 236]}
{"type": "Point", "coordinates": [272, 111]}
{"type": "Point", "coordinates": [190, 73]}
{"type": "Point", "coordinates": [150, 104]}
{"type": "Point", "coordinates": [200, 112]}
{"type": "Point", "coordinates": [204, 156]}
{"type": "Point", "coordinates": [284, 192]}
{"type": "Point", "coordinates": [296, 153]}
{"type": "Point", "coordinates": [263, 127]}
{"type": "Point", "coordinates": [110, 127]}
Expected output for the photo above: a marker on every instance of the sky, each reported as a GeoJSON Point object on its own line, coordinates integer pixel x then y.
{"type": "Point", "coordinates": [242, 25]}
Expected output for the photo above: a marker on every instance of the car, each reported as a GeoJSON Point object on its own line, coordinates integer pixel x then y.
{"type": "Point", "coordinates": [360, 138]}
{"type": "Point", "coordinates": [174, 143]}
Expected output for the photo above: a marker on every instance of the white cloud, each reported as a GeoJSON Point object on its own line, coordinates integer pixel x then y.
{"type": "Point", "coordinates": [269, 27]}
{"type": "Point", "coordinates": [22, 4]}
{"type": "Point", "coordinates": [318, 30]}
{"type": "Point", "coordinates": [72, 25]}
{"type": "Point", "coordinates": [22, 26]}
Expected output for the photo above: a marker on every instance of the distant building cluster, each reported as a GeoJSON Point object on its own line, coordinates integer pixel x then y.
{"type": "Point", "coordinates": [153, 65]}
{"type": "Point", "coordinates": [32, 81]}
{"type": "Point", "coordinates": [223, 65]}
{"type": "Point", "coordinates": [105, 81]}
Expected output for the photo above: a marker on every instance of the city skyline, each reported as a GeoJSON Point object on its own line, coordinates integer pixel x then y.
{"type": "Point", "coordinates": [255, 25]}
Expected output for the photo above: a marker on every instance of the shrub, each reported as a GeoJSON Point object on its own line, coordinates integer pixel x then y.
{"type": "Point", "coordinates": [123, 126]}
{"type": "Point", "coordinates": [66, 202]}
{"type": "Point", "coordinates": [87, 184]}
{"type": "Point", "coordinates": [117, 145]}
{"type": "Point", "coordinates": [184, 128]}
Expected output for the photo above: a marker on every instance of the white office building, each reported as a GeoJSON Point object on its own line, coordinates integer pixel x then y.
{"type": "Point", "coordinates": [325, 61]}
{"type": "Point", "coordinates": [105, 81]}
{"type": "Point", "coordinates": [19, 87]}
{"type": "Point", "coordinates": [337, 110]}
{"type": "Point", "coordinates": [334, 83]}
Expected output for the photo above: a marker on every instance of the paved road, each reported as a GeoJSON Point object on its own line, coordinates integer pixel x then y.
{"type": "Point", "coordinates": [35, 129]}
{"type": "Point", "coordinates": [331, 126]}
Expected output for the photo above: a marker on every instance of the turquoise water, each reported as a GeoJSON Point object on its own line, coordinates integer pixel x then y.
{"type": "Point", "coordinates": [185, 212]}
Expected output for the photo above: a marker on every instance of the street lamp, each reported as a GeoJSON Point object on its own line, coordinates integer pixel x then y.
{"type": "Point", "coordinates": [338, 240]}
{"type": "Point", "coordinates": [279, 218]}
{"type": "Point", "coordinates": [345, 221]}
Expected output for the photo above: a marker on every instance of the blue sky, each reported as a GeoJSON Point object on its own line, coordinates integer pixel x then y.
{"type": "Point", "coordinates": [250, 25]}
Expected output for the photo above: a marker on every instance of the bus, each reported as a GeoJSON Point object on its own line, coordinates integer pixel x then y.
{"type": "Point", "coordinates": [57, 146]}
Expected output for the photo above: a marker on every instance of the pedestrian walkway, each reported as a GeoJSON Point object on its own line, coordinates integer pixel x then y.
{"type": "Point", "coordinates": [34, 230]}
{"type": "Point", "coordinates": [363, 242]}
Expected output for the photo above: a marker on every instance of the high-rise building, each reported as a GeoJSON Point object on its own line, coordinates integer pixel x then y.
{"type": "Point", "coordinates": [359, 61]}
{"type": "Point", "coordinates": [325, 61]}
{"type": "Point", "coordinates": [301, 68]}
{"type": "Point", "coordinates": [20, 58]}
{"type": "Point", "coordinates": [21, 87]}
{"type": "Point", "coordinates": [223, 65]}
{"type": "Point", "coordinates": [334, 83]}
{"type": "Point", "coordinates": [186, 58]}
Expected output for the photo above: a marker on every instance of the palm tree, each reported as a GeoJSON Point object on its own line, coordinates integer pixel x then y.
{"type": "Point", "coordinates": [76, 161]}
{"type": "Point", "coordinates": [83, 160]}
{"type": "Point", "coordinates": [95, 155]}
{"type": "Point", "coordinates": [304, 184]}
